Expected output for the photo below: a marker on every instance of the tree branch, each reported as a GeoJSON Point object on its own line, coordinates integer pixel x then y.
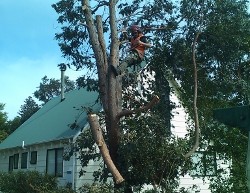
{"type": "Point", "coordinates": [97, 133]}
{"type": "Point", "coordinates": [114, 54]}
{"type": "Point", "coordinates": [104, 67]}
{"type": "Point", "coordinates": [101, 39]}
{"type": "Point", "coordinates": [196, 119]}
{"type": "Point", "coordinates": [102, 3]}
{"type": "Point", "coordinates": [145, 108]}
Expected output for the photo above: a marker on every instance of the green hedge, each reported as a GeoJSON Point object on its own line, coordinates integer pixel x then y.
{"type": "Point", "coordinates": [29, 182]}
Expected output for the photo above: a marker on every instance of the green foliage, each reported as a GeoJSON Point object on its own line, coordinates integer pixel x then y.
{"type": "Point", "coordinates": [3, 123]}
{"type": "Point", "coordinates": [29, 182]}
{"type": "Point", "coordinates": [28, 109]}
{"type": "Point", "coordinates": [50, 88]}
{"type": "Point", "coordinates": [96, 188]}
{"type": "Point", "coordinates": [223, 60]}
{"type": "Point", "coordinates": [7, 126]}
{"type": "Point", "coordinates": [148, 155]}
{"type": "Point", "coordinates": [13, 124]}
{"type": "Point", "coordinates": [3, 135]}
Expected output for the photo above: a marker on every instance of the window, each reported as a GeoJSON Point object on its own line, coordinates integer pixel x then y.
{"type": "Point", "coordinates": [33, 157]}
{"type": "Point", "coordinates": [24, 160]}
{"type": "Point", "coordinates": [16, 159]}
{"type": "Point", "coordinates": [11, 163]}
{"type": "Point", "coordinates": [204, 164]}
{"type": "Point", "coordinates": [54, 165]}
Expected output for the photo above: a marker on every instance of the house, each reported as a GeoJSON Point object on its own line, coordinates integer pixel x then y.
{"type": "Point", "coordinates": [38, 144]}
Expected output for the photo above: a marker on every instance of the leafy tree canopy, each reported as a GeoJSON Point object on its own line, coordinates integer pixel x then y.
{"type": "Point", "coordinates": [213, 34]}
{"type": "Point", "coordinates": [28, 109]}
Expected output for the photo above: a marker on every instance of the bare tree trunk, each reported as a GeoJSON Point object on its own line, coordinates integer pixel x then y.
{"type": "Point", "coordinates": [114, 85]}
{"type": "Point", "coordinates": [109, 85]}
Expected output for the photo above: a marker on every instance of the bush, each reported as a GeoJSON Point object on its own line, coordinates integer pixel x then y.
{"type": "Point", "coordinates": [29, 182]}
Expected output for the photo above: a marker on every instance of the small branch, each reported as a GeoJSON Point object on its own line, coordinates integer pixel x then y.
{"type": "Point", "coordinates": [102, 3]}
{"type": "Point", "coordinates": [126, 112]}
{"type": "Point", "coordinates": [97, 133]}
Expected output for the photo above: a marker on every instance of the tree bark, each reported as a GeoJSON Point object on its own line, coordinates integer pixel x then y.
{"type": "Point", "coordinates": [114, 90]}
{"type": "Point", "coordinates": [98, 44]}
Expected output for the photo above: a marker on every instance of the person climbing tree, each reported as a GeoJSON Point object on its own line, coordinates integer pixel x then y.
{"type": "Point", "coordinates": [138, 45]}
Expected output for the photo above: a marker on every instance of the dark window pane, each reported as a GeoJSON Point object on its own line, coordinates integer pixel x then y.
{"type": "Point", "coordinates": [33, 157]}
{"type": "Point", "coordinates": [24, 160]}
{"type": "Point", "coordinates": [59, 162]}
{"type": "Point", "coordinates": [11, 163]}
{"type": "Point", "coordinates": [16, 160]}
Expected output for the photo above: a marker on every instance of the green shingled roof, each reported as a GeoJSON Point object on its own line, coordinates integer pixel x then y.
{"type": "Point", "coordinates": [52, 121]}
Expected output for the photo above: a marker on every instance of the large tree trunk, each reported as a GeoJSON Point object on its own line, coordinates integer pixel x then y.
{"type": "Point", "coordinates": [114, 85]}
{"type": "Point", "coordinates": [109, 85]}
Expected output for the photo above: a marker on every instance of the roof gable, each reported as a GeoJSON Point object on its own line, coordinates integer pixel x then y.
{"type": "Point", "coordinates": [52, 122]}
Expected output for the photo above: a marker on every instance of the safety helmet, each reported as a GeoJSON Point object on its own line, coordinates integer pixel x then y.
{"type": "Point", "coordinates": [135, 28]}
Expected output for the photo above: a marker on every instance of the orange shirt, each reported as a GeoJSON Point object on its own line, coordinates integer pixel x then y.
{"type": "Point", "coordinates": [138, 47]}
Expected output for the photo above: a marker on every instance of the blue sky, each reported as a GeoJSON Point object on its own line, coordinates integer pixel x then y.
{"type": "Point", "coordinates": [28, 50]}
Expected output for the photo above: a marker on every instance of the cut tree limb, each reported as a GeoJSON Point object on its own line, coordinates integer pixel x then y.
{"type": "Point", "coordinates": [97, 133]}
{"type": "Point", "coordinates": [144, 108]}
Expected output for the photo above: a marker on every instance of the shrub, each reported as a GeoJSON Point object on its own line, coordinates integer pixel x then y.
{"type": "Point", "coordinates": [29, 182]}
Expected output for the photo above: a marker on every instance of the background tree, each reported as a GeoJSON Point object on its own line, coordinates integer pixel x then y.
{"type": "Point", "coordinates": [3, 123]}
{"type": "Point", "coordinates": [28, 109]}
{"type": "Point", "coordinates": [50, 88]}
{"type": "Point", "coordinates": [13, 124]}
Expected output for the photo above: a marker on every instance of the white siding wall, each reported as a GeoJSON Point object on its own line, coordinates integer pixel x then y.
{"type": "Point", "coordinates": [4, 160]}
{"type": "Point", "coordinates": [87, 178]}
{"type": "Point", "coordinates": [179, 129]}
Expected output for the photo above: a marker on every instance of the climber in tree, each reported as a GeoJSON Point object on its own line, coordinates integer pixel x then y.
{"type": "Point", "coordinates": [138, 45]}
